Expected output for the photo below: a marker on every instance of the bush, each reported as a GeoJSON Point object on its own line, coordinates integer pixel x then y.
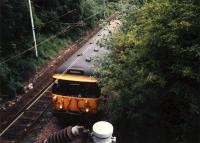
{"type": "Point", "coordinates": [50, 18]}
{"type": "Point", "coordinates": [153, 73]}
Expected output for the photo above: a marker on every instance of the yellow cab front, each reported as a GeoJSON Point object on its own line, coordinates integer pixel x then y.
{"type": "Point", "coordinates": [75, 93]}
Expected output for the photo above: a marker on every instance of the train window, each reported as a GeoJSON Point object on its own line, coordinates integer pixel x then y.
{"type": "Point", "coordinates": [75, 71]}
{"type": "Point", "coordinates": [76, 89]}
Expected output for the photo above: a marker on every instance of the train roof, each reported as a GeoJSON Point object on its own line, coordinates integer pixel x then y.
{"type": "Point", "coordinates": [78, 78]}
{"type": "Point", "coordinates": [87, 57]}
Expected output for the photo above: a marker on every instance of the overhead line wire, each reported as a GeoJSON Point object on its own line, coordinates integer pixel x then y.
{"type": "Point", "coordinates": [54, 36]}
{"type": "Point", "coordinates": [52, 21]}
{"type": "Point", "coordinates": [92, 15]}
{"type": "Point", "coordinates": [13, 57]}
{"type": "Point", "coordinates": [25, 51]}
{"type": "Point", "coordinates": [58, 17]}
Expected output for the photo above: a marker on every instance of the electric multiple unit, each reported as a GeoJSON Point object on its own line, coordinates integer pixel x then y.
{"type": "Point", "coordinates": [75, 89]}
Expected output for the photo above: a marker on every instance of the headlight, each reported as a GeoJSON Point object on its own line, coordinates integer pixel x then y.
{"type": "Point", "coordinates": [60, 106]}
{"type": "Point", "coordinates": [87, 107]}
{"type": "Point", "coordinates": [87, 110]}
{"type": "Point", "coordinates": [54, 98]}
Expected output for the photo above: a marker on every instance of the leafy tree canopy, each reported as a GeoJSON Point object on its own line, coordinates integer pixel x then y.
{"type": "Point", "coordinates": [152, 75]}
{"type": "Point", "coordinates": [51, 17]}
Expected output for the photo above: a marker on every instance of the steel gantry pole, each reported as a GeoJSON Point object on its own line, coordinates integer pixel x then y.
{"type": "Point", "coordinates": [33, 28]}
{"type": "Point", "coordinates": [104, 6]}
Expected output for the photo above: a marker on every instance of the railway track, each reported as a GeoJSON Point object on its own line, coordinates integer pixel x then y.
{"type": "Point", "coordinates": [29, 115]}
{"type": "Point", "coordinates": [24, 119]}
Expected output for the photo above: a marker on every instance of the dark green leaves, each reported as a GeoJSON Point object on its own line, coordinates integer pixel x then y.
{"type": "Point", "coordinates": [154, 67]}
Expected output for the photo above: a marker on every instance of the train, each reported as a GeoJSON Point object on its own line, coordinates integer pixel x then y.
{"type": "Point", "coordinates": [75, 90]}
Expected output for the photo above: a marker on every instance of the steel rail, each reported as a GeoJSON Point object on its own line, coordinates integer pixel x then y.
{"type": "Point", "coordinates": [40, 94]}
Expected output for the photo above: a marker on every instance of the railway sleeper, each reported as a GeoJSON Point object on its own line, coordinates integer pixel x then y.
{"type": "Point", "coordinates": [31, 118]}
{"type": "Point", "coordinates": [14, 137]}
{"type": "Point", "coordinates": [14, 132]}
{"type": "Point", "coordinates": [17, 131]}
{"type": "Point", "coordinates": [31, 113]}
{"type": "Point", "coordinates": [23, 121]}
{"type": "Point", "coordinates": [44, 100]}
{"type": "Point", "coordinates": [23, 125]}
{"type": "Point", "coordinates": [39, 107]}
{"type": "Point", "coordinates": [47, 96]}
{"type": "Point", "coordinates": [9, 137]}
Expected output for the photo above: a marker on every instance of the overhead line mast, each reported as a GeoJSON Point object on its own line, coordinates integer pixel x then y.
{"type": "Point", "coordinates": [33, 28]}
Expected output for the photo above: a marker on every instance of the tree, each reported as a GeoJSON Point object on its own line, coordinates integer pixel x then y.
{"type": "Point", "coordinates": [13, 15]}
{"type": "Point", "coordinates": [152, 74]}
{"type": "Point", "coordinates": [50, 18]}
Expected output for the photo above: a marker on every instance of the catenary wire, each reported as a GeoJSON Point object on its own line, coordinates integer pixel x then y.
{"type": "Point", "coordinates": [25, 51]}
{"type": "Point", "coordinates": [13, 57]}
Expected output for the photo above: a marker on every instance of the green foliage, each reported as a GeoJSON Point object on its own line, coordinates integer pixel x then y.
{"type": "Point", "coordinates": [88, 8]}
{"type": "Point", "coordinates": [51, 47]}
{"type": "Point", "coordinates": [13, 15]}
{"type": "Point", "coordinates": [55, 15]}
{"type": "Point", "coordinates": [138, 2]}
{"type": "Point", "coordinates": [152, 75]}
{"type": "Point", "coordinates": [50, 18]}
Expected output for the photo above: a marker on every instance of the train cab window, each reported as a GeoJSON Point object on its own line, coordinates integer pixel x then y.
{"type": "Point", "coordinates": [76, 89]}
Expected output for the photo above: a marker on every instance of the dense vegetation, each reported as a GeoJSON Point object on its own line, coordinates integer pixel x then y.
{"type": "Point", "coordinates": [152, 75]}
{"type": "Point", "coordinates": [52, 19]}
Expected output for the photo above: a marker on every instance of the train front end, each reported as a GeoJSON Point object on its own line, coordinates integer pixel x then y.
{"type": "Point", "coordinates": [75, 94]}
